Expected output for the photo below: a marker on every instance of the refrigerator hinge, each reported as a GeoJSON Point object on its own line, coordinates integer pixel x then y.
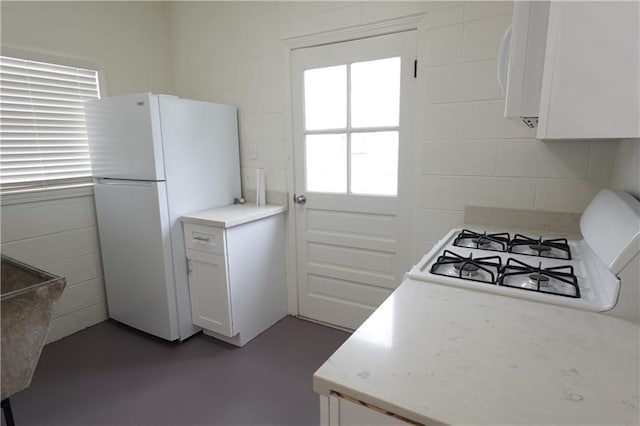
{"type": "Point", "coordinates": [188, 266]}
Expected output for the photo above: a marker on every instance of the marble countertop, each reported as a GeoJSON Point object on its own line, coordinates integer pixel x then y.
{"type": "Point", "coordinates": [232, 215]}
{"type": "Point", "coordinates": [438, 354]}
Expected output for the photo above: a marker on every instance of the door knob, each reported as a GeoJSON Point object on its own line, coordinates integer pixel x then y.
{"type": "Point", "coordinates": [299, 199]}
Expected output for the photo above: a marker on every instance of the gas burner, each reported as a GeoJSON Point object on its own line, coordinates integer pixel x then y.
{"type": "Point", "coordinates": [466, 269]}
{"type": "Point", "coordinates": [553, 248]}
{"type": "Point", "coordinates": [559, 280]}
{"type": "Point", "coordinates": [471, 239]}
{"type": "Point", "coordinates": [481, 269]}
{"type": "Point", "coordinates": [540, 248]}
{"type": "Point", "coordinates": [481, 241]}
{"type": "Point", "coordinates": [539, 279]}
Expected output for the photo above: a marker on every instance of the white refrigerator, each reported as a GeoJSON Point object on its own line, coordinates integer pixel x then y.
{"type": "Point", "coordinates": [155, 158]}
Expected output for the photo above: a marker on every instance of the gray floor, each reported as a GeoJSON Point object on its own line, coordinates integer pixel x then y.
{"type": "Point", "coordinates": [111, 375]}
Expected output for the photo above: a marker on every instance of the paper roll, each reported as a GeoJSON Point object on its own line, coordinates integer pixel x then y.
{"type": "Point", "coordinates": [261, 191]}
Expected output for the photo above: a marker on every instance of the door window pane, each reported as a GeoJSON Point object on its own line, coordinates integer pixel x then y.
{"type": "Point", "coordinates": [326, 163]}
{"type": "Point", "coordinates": [374, 163]}
{"type": "Point", "coordinates": [375, 93]}
{"type": "Point", "coordinates": [325, 98]}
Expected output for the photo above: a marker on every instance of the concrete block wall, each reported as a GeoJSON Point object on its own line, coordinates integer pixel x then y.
{"type": "Point", "coordinates": [232, 52]}
{"type": "Point", "coordinates": [61, 237]}
{"type": "Point", "coordinates": [467, 153]}
{"type": "Point", "coordinates": [626, 171]}
{"type": "Point", "coordinates": [127, 42]}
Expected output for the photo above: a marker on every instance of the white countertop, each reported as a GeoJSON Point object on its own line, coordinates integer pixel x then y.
{"type": "Point", "coordinates": [434, 353]}
{"type": "Point", "coordinates": [232, 215]}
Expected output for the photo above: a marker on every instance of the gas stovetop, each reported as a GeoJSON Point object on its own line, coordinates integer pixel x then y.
{"type": "Point", "coordinates": [557, 248]}
{"type": "Point", "coordinates": [550, 270]}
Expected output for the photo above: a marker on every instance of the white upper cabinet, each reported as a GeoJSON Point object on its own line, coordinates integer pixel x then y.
{"type": "Point", "coordinates": [521, 61]}
{"type": "Point", "coordinates": [591, 78]}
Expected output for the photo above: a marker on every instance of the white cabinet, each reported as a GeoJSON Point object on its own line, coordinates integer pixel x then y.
{"type": "Point", "coordinates": [209, 291]}
{"type": "Point", "coordinates": [236, 276]}
{"type": "Point", "coordinates": [338, 411]}
{"type": "Point", "coordinates": [591, 77]}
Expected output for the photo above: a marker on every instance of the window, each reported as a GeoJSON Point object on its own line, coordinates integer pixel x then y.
{"type": "Point", "coordinates": [351, 127]}
{"type": "Point", "coordinates": [43, 137]}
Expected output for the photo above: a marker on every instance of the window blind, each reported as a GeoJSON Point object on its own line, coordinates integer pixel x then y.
{"type": "Point", "coordinates": [43, 137]}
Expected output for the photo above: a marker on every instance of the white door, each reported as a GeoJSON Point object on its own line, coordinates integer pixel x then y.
{"type": "Point", "coordinates": [351, 104]}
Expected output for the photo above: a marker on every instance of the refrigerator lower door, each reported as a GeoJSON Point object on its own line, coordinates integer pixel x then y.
{"type": "Point", "coordinates": [133, 222]}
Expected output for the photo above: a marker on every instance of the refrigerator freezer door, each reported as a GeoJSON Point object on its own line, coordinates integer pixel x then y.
{"type": "Point", "coordinates": [133, 222]}
{"type": "Point", "coordinates": [202, 166]}
{"type": "Point", "coordinates": [124, 137]}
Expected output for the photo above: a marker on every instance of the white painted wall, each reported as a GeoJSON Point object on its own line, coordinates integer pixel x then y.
{"type": "Point", "coordinates": [127, 41]}
{"type": "Point", "coordinates": [61, 237]}
{"type": "Point", "coordinates": [466, 153]}
{"type": "Point", "coordinates": [232, 52]}
{"type": "Point", "coordinates": [626, 173]}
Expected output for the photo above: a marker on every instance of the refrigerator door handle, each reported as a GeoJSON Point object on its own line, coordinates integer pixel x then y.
{"type": "Point", "coordinates": [127, 182]}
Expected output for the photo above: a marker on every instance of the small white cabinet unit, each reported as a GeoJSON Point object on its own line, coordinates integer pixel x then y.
{"type": "Point", "coordinates": [591, 77]}
{"type": "Point", "coordinates": [236, 260]}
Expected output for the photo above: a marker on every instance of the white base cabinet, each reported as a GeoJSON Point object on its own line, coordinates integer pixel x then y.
{"type": "Point", "coordinates": [335, 410]}
{"type": "Point", "coordinates": [237, 277]}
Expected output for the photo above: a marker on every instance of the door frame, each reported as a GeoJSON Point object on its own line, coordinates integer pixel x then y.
{"type": "Point", "coordinates": [414, 22]}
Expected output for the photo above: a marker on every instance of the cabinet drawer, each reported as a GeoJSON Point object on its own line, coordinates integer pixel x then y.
{"type": "Point", "coordinates": [204, 238]}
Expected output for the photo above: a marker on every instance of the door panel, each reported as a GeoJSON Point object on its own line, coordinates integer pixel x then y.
{"type": "Point", "coordinates": [347, 222]}
{"type": "Point", "coordinates": [359, 294]}
{"type": "Point", "coordinates": [351, 258]}
{"type": "Point", "coordinates": [342, 300]}
{"type": "Point", "coordinates": [352, 137]}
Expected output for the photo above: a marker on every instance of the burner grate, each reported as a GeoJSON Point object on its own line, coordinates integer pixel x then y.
{"type": "Point", "coordinates": [494, 242]}
{"type": "Point", "coordinates": [540, 279]}
{"type": "Point", "coordinates": [468, 268]}
{"type": "Point", "coordinates": [557, 248]}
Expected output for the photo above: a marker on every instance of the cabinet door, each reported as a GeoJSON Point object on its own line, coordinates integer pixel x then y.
{"type": "Point", "coordinates": [337, 411]}
{"type": "Point", "coordinates": [590, 85]}
{"type": "Point", "coordinates": [209, 290]}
